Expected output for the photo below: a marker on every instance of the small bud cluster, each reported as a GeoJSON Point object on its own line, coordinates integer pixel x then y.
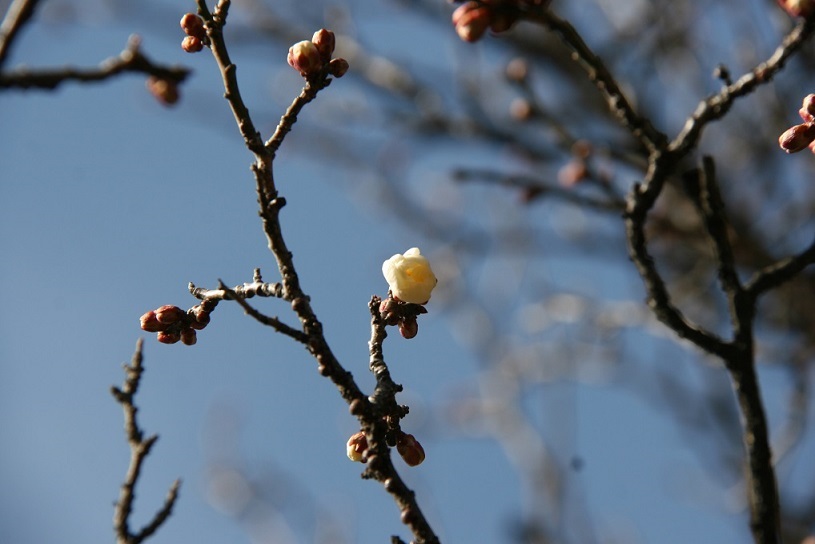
{"type": "Point", "coordinates": [473, 18]}
{"type": "Point", "coordinates": [798, 8]}
{"type": "Point", "coordinates": [406, 444]}
{"type": "Point", "coordinates": [799, 137]}
{"type": "Point", "coordinates": [172, 324]}
{"type": "Point", "coordinates": [403, 315]}
{"type": "Point", "coordinates": [193, 27]}
{"type": "Point", "coordinates": [310, 58]}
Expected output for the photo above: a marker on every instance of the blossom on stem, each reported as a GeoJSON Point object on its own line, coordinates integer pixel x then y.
{"type": "Point", "coordinates": [409, 276]}
{"type": "Point", "coordinates": [305, 58]}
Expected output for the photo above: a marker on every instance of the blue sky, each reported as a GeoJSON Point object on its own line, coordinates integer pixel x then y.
{"type": "Point", "coordinates": [111, 204]}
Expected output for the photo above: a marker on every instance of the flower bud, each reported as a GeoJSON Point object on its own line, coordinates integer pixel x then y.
{"type": "Point", "coordinates": [389, 310]}
{"type": "Point", "coordinates": [471, 21]}
{"type": "Point", "coordinates": [149, 323]}
{"type": "Point", "coordinates": [193, 25]}
{"type": "Point", "coordinates": [798, 8]}
{"type": "Point", "coordinates": [168, 337]}
{"type": "Point", "coordinates": [797, 138]}
{"type": "Point", "coordinates": [191, 44]}
{"type": "Point", "coordinates": [807, 111]}
{"type": "Point", "coordinates": [189, 337]}
{"type": "Point", "coordinates": [168, 314]}
{"type": "Point", "coordinates": [324, 41]}
{"type": "Point", "coordinates": [356, 447]}
{"type": "Point", "coordinates": [409, 276]}
{"type": "Point", "coordinates": [517, 70]}
{"type": "Point", "coordinates": [305, 58]}
{"type": "Point", "coordinates": [409, 328]}
{"type": "Point", "coordinates": [338, 67]}
{"type": "Point", "coordinates": [410, 449]}
{"type": "Point", "coordinates": [164, 90]}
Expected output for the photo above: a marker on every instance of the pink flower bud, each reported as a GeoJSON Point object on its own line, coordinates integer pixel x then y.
{"type": "Point", "coordinates": [193, 25]}
{"type": "Point", "coordinates": [409, 328]}
{"type": "Point", "coordinates": [338, 67]}
{"type": "Point", "coordinates": [356, 447]}
{"type": "Point", "coordinates": [191, 44]}
{"type": "Point", "coordinates": [807, 111]}
{"type": "Point", "coordinates": [471, 21]}
{"type": "Point", "coordinates": [798, 8]}
{"type": "Point", "coordinates": [168, 314]}
{"type": "Point", "coordinates": [388, 309]}
{"type": "Point", "coordinates": [410, 450]}
{"type": "Point", "coordinates": [797, 138]}
{"type": "Point", "coordinates": [149, 323]}
{"type": "Point", "coordinates": [168, 337]}
{"type": "Point", "coordinates": [305, 58]}
{"type": "Point", "coordinates": [188, 337]}
{"type": "Point", "coordinates": [324, 41]}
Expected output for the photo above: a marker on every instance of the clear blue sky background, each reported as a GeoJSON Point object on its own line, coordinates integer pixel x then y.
{"type": "Point", "coordinates": [110, 204]}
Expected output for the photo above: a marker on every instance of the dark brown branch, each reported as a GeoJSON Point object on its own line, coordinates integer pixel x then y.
{"type": "Point", "coordinates": [780, 272]}
{"type": "Point", "coordinates": [716, 106]}
{"type": "Point", "coordinates": [270, 321]}
{"type": "Point", "coordinates": [139, 450]}
{"type": "Point", "coordinates": [17, 15]}
{"type": "Point", "coordinates": [129, 60]}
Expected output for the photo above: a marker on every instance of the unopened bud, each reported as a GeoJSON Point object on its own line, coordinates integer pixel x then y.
{"type": "Point", "coordinates": [189, 337]}
{"type": "Point", "coordinates": [164, 90]}
{"type": "Point", "coordinates": [356, 447]}
{"type": "Point", "coordinates": [169, 314]}
{"type": "Point", "coordinates": [409, 328]}
{"type": "Point", "coordinates": [517, 70]}
{"type": "Point", "coordinates": [807, 111]}
{"type": "Point", "coordinates": [192, 44]}
{"type": "Point", "coordinates": [168, 337]}
{"type": "Point", "coordinates": [388, 309]}
{"type": "Point", "coordinates": [471, 21]}
{"type": "Point", "coordinates": [797, 138]}
{"type": "Point", "coordinates": [324, 41]}
{"type": "Point", "coordinates": [410, 449]}
{"type": "Point", "coordinates": [338, 67]}
{"type": "Point", "coordinates": [149, 323]}
{"type": "Point", "coordinates": [305, 58]}
{"type": "Point", "coordinates": [193, 25]}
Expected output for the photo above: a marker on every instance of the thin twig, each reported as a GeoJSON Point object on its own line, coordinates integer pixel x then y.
{"type": "Point", "coordinates": [139, 450]}
{"type": "Point", "coordinates": [17, 15]}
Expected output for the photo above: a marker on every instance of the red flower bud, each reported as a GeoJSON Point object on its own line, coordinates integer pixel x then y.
{"type": "Point", "coordinates": [168, 337]}
{"type": "Point", "coordinates": [410, 449]}
{"type": "Point", "coordinates": [798, 8]}
{"type": "Point", "coordinates": [149, 323]}
{"type": "Point", "coordinates": [797, 138]}
{"type": "Point", "coordinates": [324, 41]}
{"type": "Point", "coordinates": [188, 337]}
{"type": "Point", "coordinates": [338, 67]}
{"type": "Point", "coordinates": [193, 25]}
{"type": "Point", "coordinates": [409, 328]}
{"type": "Point", "coordinates": [807, 111]}
{"type": "Point", "coordinates": [164, 90]}
{"type": "Point", "coordinates": [168, 314]}
{"type": "Point", "coordinates": [471, 21]}
{"type": "Point", "coordinates": [191, 44]}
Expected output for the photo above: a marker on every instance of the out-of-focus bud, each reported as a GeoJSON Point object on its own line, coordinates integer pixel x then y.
{"type": "Point", "coordinates": [798, 8]}
{"type": "Point", "coordinates": [169, 314]}
{"type": "Point", "coordinates": [572, 173]}
{"type": "Point", "coordinates": [471, 21]}
{"type": "Point", "coordinates": [517, 70]}
{"type": "Point", "coordinates": [305, 58]}
{"type": "Point", "coordinates": [502, 21]}
{"type": "Point", "coordinates": [193, 25]}
{"type": "Point", "coordinates": [168, 337]}
{"type": "Point", "coordinates": [807, 111]}
{"type": "Point", "coordinates": [521, 110]}
{"type": "Point", "coordinates": [409, 276]}
{"type": "Point", "coordinates": [188, 337]}
{"type": "Point", "coordinates": [409, 328]}
{"type": "Point", "coordinates": [149, 323]}
{"type": "Point", "coordinates": [410, 449]}
{"type": "Point", "coordinates": [164, 90]}
{"type": "Point", "coordinates": [192, 44]}
{"type": "Point", "coordinates": [356, 447]}
{"type": "Point", "coordinates": [797, 138]}
{"type": "Point", "coordinates": [324, 41]}
{"type": "Point", "coordinates": [338, 67]}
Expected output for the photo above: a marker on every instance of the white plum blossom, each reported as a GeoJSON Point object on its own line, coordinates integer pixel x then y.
{"type": "Point", "coordinates": [409, 276]}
